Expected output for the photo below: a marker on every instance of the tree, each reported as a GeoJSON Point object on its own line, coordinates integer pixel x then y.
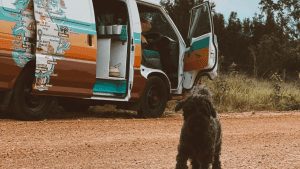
{"type": "Point", "coordinates": [179, 10]}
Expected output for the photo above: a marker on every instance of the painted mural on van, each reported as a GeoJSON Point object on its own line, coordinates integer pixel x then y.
{"type": "Point", "coordinates": [52, 40]}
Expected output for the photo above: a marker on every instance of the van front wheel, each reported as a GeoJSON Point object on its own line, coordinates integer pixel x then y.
{"type": "Point", "coordinates": [25, 105]}
{"type": "Point", "coordinates": [154, 99]}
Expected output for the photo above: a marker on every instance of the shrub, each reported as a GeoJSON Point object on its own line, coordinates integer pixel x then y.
{"type": "Point", "coordinates": [242, 93]}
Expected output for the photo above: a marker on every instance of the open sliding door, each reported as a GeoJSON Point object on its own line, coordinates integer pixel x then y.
{"type": "Point", "coordinates": [66, 47]}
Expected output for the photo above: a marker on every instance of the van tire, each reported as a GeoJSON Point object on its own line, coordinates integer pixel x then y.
{"type": "Point", "coordinates": [26, 106]}
{"type": "Point", "coordinates": [154, 99]}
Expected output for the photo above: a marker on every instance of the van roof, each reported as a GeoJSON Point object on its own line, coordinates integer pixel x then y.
{"type": "Point", "coordinates": [154, 2]}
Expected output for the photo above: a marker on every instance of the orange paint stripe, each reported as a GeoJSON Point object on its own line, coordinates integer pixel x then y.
{"type": "Point", "coordinates": [83, 53]}
{"type": "Point", "coordinates": [80, 39]}
{"type": "Point", "coordinates": [6, 42]}
{"type": "Point", "coordinates": [6, 37]}
{"type": "Point", "coordinates": [6, 27]}
{"type": "Point", "coordinates": [138, 56]}
{"type": "Point", "coordinates": [79, 48]}
{"type": "Point", "coordinates": [197, 60]}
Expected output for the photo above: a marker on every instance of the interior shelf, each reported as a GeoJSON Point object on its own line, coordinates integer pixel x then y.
{"type": "Point", "coordinates": [114, 78]}
{"type": "Point", "coordinates": [111, 54]}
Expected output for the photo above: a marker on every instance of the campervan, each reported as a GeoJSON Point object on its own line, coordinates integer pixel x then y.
{"type": "Point", "coordinates": [89, 52]}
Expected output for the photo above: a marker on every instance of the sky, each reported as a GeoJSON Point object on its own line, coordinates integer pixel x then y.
{"type": "Point", "coordinates": [244, 8]}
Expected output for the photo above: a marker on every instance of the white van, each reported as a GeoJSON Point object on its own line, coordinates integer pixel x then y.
{"type": "Point", "coordinates": [92, 50]}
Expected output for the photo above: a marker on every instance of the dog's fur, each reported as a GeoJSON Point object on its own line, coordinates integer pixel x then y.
{"type": "Point", "coordinates": [201, 138]}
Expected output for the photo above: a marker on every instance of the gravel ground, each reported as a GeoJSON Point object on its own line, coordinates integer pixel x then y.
{"type": "Point", "coordinates": [118, 140]}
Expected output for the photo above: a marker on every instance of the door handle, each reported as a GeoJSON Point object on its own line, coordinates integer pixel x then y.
{"type": "Point", "coordinates": [90, 40]}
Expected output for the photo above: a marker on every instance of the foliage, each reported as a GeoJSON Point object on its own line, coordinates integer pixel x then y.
{"type": "Point", "coordinates": [240, 93]}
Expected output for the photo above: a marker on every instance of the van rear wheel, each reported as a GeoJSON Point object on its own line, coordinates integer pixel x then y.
{"type": "Point", "coordinates": [25, 105]}
{"type": "Point", "coordinates": [154, 99]}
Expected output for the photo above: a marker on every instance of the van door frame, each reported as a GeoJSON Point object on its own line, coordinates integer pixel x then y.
{"type": "Point", "coordinates": [181, 45]}
{"type": "Point", "coordinates": [133, 28]}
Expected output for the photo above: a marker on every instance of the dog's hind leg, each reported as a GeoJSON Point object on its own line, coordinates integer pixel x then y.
{"type": "Point", "coordinates": [217, 154]}
{"type": "Point", "coordinates": [217, 161]}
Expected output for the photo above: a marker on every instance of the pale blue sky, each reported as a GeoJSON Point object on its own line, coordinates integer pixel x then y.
{"type": "Point", "coordinates": [244, 8]}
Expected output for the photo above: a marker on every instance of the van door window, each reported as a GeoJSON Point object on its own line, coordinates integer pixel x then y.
{"type": "Point", "coordinates": [200, 22]}
{"type": "Point", "coordinates": [160, 42]}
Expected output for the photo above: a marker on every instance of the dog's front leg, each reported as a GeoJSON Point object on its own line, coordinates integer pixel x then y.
{"type": "Point", "coordinates": [206, 163]}
{"type": "Point", "coordinates": [182, 157]}
{"type": "Point", "coordinates": [195, 164]}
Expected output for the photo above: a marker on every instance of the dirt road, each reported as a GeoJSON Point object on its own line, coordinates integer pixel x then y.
{"type": "Point", "coordinates": [118, 140]}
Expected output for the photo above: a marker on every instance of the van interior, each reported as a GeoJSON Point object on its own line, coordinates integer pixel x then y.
{"type": "Point", "coordinates": [162, 48]}
{"type": "Point", "coordinates": [112, 24]}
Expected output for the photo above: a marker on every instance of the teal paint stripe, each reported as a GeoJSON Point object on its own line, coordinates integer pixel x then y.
{"type": "Point", "coordinates": [137, 38]}
{"type": "Point", "coordinates": [5, 15]}
{"type": "Point", "coordinates": [204, 43]}
{"type": "Point", "coordinates": [110, 86]}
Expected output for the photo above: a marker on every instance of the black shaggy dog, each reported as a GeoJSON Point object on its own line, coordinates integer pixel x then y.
{"type": "Point", "coordinates": [200, 139]}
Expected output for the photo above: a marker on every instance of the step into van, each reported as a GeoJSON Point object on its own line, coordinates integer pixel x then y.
{"type": "Point", "coordinates": [88, 52]}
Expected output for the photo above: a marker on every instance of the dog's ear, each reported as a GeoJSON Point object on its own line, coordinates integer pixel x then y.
{"type": "Point", "coordinates": [179, 106]}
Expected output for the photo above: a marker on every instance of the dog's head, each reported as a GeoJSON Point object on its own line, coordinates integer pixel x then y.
{"type": "Point", "coordinates": [196, 106]}
{"type": "Point", "coordinates": [206, 107]}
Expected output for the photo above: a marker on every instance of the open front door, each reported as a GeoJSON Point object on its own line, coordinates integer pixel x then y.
{"type": "Point", "coordinates": [201, 57]}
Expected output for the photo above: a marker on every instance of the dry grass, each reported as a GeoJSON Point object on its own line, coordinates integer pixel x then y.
{"type": "Point", "coordinates": [241, 93]}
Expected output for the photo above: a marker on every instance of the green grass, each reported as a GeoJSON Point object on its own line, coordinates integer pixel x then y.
{"type": "Point", "coordinates": [234, 93]}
